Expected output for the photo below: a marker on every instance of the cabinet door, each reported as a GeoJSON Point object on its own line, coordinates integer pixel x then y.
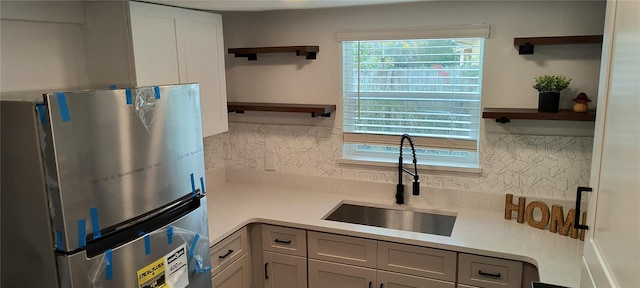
{"type": "Point", "coordinates": [204, 63]}
{"type": "Point", "coordinates": [612, 248]}
{"type": "Point", "coordinates": [237, 275]}
{"type": "Point", "coordinates": [154, 38]}
{"type": "Point", "coordinates": [284, 271]}
{"type": "Point", "coordinates": [324, 274]}
{"type": "Point", "coordinates": [396, 280]}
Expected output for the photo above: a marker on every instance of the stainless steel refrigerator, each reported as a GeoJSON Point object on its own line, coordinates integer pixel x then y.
{"type": "Point", "coordinates": [104, 189]}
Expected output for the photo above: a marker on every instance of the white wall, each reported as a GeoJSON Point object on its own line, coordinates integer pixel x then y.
{"type": "Point", "coordinates": [43, 49]}
{"type": "Point", "coordinates": [508, 77]}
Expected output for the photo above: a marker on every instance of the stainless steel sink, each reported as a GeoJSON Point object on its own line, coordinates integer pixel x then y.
{"type": "Point", "coordinates": [395, 219]}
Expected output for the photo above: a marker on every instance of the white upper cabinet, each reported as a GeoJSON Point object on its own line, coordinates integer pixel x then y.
{"type": "Point", "coordinates": [141, 44]}
{"type": "Point", "coordinates": [155, 34]}
{"type": "Point", "coordinates": [204, 63]}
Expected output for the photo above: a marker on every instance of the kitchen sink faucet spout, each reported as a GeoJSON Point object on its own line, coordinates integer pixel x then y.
{"type": "Point", "coordinates": [416, 177]}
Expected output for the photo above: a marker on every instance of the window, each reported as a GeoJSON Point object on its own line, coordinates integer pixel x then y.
{"type": "Point", "coordinates": [427, 88]}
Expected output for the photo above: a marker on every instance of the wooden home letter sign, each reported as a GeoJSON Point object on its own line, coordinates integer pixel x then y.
{"type": "Point", "coordinates": [559, 223]}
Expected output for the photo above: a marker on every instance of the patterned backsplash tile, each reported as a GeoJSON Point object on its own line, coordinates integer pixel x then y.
{"type": "Point", "coordinates": [528, 165]}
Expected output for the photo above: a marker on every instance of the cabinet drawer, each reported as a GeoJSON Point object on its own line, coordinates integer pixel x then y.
{"type": "Point", "coordinates": [285, 240]}
{"type": "Point", "coordinates": [418, 261]}
{"type": "Point", "coordinates": [489, 272]}
{"type": "Point", "coordinates": [228, 250]}
{"type": "Point", "coordinates": [342, 249]}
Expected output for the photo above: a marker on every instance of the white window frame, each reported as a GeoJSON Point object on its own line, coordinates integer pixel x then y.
{"type": "Point", "coordinates": [354, 156]}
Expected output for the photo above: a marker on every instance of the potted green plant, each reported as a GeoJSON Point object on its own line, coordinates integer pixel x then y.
{"type": "Point", "coordinates": [549, 87]}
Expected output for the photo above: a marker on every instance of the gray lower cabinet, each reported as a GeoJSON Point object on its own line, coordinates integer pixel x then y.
{"type": "Point", "coordinates": [284, 257]}
{"type": "Point", "coordinates": [323, 274]}
{"type": "Point", "coordinates": [297, 258]}
{"type": "Point", "coordinates": [231, 261]}
{"type": "Point", "coordinates": [236, 275]}
{"type": "Point", "coordinates": [417, 261]}
{"type": "Point", "coordinates": [387, 279]}
{"type": "Point", "coordinates": [489, 272]}
{"type": "Point", "coordinates": [352, 262]}
{"type": "Point", "coordinates": [284, 271]}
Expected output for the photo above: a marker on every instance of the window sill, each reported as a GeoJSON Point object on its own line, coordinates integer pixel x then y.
{"type": "Point", "coordinates": [430, 169]}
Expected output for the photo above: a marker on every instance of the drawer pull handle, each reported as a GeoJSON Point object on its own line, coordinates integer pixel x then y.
{"type": "Point", "coordinates": [496, 275]}
{"type": "Point", "coordinates": [381, 285]}
{"type": "Point", "coordinates": [266, 273]}
{"type": "Point", "coordinates": [370, 284]}
{"type": "Point", "coordinates": [282, 241]}
{"type": "Point", "coordinates": [226, 255]}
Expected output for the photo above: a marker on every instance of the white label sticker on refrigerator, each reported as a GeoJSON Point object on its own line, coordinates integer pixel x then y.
{"type": "Point", "coordinates": [170, 271]}
{"type": "Point", "coordinates": [176, 267]}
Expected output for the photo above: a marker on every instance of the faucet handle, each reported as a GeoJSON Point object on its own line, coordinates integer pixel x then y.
{"type": "Point", "coordinates": [416, 187]}
{"type": "Point", "coordinates": [400, 194]}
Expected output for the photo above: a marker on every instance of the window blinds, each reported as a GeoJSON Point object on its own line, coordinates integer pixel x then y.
{"type": "Point", "coordinates": [428, 88]}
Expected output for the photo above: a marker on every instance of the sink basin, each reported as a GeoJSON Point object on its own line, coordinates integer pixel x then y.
{"type": "Point", "coordinates": [394, 219]}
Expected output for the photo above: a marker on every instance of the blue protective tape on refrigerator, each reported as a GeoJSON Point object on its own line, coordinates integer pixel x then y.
{"type": "Point", "coordinates": [202, 185]}
{"type": "Point", "coordinates": [82, 233]}
{"type": "Point", "coordinates": [109, 264]}
{"type": "Point", "coordinates": [94, 223]}
{"type": "Point", "coordinates": [193, 244]}
{"type": "Point", "coordinates": [156, 91]}
{"type": "Point", "coordinates": [193, 185]}
{"type": "Point", "coordinates": [201, 269]}
{"type": "Point", "coordinates": [113, 87]}
{"type": "Point", "coordinates": [64, 108]}
{"type": "Point", "coordinates": [129, 96]}
{"type": "Point", "coordinates": [147, 244]}
{"type": "Point", "coordinates": [42, 114]}
{"type": "Point", "coordinates": [59, 244]}
{"type": "Point", "coordinates": [170, 235]}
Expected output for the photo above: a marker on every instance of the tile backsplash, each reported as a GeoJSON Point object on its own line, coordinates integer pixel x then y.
{"type": "Point", "coordinates": [527, 165]}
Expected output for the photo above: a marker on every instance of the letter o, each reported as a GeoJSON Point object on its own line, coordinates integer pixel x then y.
{"type": "Point", "coordinates": [545, 214]}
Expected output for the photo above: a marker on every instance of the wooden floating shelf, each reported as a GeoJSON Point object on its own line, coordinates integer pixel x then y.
{"type": "Point", "coordinates": [505, 115]}
{"type": "Point", "coordinates": [525, 45]}
{"type": "Point", "coordinates": [252, 53]}
{"type": "Point", "coordinates": [315, 110]}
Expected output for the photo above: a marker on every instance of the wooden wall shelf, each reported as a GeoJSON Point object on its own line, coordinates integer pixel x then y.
{"type": "Point", "coordinates": [504, 115]}
{"type": "Point", "coordinates": [315, 110]}
{"type": "Point", "coordinates": [252, 53]}
{"type": "Point", "coordinates": [525, 45]}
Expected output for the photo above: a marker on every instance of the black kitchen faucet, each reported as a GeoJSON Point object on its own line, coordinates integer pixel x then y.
{"type": "Point", "coordinates": [416, 177]}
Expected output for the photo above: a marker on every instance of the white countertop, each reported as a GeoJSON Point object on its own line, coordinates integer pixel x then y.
{"type": "Point", "coordinates": [232, 206]}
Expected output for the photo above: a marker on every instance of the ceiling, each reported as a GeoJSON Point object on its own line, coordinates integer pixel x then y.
{"type": "Point", "coordinates": [266, 5]}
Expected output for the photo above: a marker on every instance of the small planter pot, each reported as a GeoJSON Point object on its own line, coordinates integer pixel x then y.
{"type": "Point", "coordinates": [548, 102]}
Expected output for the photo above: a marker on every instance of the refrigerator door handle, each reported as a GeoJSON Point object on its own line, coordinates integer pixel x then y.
{"type": "Point", "coordinates": [98, 246]}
